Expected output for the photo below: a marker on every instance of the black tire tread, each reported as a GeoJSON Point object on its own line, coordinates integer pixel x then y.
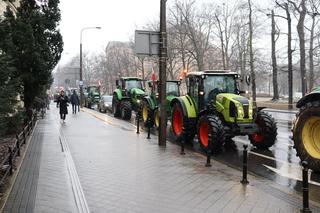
{"type": "Point", "coordinates": [302, 153]}
{"type": "Point", "coordinates": [117, 112]}
{"type": "Point", "coordinates": [270, 131]}
{"type": "Point", "coordinates": [127, 109]}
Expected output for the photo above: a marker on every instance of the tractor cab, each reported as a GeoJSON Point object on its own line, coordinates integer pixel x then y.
{"type": "Point", "coordinates": [129, 85]}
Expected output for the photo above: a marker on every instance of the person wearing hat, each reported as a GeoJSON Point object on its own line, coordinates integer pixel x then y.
{"type": "Point", "coordinates": [63, 104]}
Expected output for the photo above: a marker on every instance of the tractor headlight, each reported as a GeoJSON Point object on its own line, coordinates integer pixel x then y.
{"type": "Point", "coordinates": [138, 101]}
{"type": "Point", "coordinates": [240, 113]}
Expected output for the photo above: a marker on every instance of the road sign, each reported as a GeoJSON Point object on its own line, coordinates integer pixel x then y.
{"type": "Point", "coordinates": [80, 83]}
{"type": "Point", "coordinates": [147, 43]}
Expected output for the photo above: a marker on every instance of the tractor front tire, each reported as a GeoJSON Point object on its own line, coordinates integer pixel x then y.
{"type": "Point", "coordinates": [178, 122]}
{"type": "Point", "coordinates": [267, 133]}
{"type": "Point", "coordinates": [116, 106]}
{"type": "Point", "coordinates": [306, 134]}
{"type": "Point", "coordinates": [211, 133]}
{"type": "Point", "coordinates": [126, 110]}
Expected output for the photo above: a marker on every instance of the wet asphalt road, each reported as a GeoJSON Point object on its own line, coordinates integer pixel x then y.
{"type": "Point", "coordinates": [279, 164]}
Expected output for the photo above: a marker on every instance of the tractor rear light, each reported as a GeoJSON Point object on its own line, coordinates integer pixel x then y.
{"type": "Point", "coordinates": [201, 93]}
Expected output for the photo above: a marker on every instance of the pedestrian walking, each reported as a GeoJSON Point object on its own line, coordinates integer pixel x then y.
{"type": "Point", "coordinates": [63, 103]}
{"type": "Point", "coordinates": [74, 102]}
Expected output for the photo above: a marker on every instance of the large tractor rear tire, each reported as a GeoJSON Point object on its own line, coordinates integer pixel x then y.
{"type": "Point", "coordinates": [179, 121]}
{"type": "Point", "coordinates": [306, 134]}
{"type": "Point", "coordinates": [126, 110]}
{"type": "Point", "coordinates": [115, 106]}
{"type": "Point", "coordinates": [267, 134]}
{"type": "Point", "coordinates": [211, 133]}
{"type": "Point", "coordinates": [147, 115]}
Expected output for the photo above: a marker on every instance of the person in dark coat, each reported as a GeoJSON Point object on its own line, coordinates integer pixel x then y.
{"type": "Point", "coordinates": [63, 103]}
{"type": "Point", "coordinates": [74, 101]}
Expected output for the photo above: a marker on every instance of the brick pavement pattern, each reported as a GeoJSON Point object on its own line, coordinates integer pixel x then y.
{"type": "Point", "coordinates": [121, 171]}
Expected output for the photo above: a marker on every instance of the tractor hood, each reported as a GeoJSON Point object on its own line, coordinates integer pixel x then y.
{"type": "Point", "coordinates": [137, 92]}
{"type": "Point", "coordinates": [170, 97]}
{"type": "Point", "coordinates": [235, 108]}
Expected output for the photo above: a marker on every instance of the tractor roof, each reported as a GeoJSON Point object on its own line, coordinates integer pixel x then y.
{"type": "Point", "coordinates": [212, 72]}
{"type": "Point", "coordinates": [131, 78]}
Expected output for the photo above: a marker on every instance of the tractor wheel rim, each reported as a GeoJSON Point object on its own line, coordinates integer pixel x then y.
{"type": "Point", "coordinates": [258, 137]}
{"type": "Point", "coordinates": [204, 133]}
{"type": "Point", "coordinates": [145, 113]}
{"type": "Point", "coordinates": [310, 136]}
{"type": "Point", "coordinates": [177, 122]}
{"type": "Point", "coordinates": [156, 119]}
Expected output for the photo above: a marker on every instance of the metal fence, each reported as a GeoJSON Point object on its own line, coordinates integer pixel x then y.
{"type": "Point", "coordinates": [7, 164]}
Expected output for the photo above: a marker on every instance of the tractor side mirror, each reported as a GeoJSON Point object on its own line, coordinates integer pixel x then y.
{"type": "Point", "coordinates": [150, 84]}
{"type": "Point", "coordinates": [248, 79]}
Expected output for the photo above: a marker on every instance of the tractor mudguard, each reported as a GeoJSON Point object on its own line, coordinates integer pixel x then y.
{"type": "Point", "coordinates": [118, 94]}
{"type": "Point", "coordinates": [150, 102]}
{"type": "Point", "coordinates": [261, 108]}
{"type": "Point", "coordinates": [308, 98]}
{"type": "Point", "coordinates": [187, 105]}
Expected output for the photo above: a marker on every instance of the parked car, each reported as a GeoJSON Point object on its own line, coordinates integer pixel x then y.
{"type": "Point", "coordinates": [105, 103]}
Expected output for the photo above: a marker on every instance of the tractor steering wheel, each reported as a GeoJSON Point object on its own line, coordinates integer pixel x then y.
{"type": "Point", "coordinates": [212, 94]}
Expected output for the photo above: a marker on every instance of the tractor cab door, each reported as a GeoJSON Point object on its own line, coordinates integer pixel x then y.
{"type": "Point", "coordinates": [193, 89]}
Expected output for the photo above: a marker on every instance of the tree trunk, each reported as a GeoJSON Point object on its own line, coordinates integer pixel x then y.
{"type": "Point", "coordinates": [311, 63]}
{"type": "Point", "coordinates": [300, 29]}
{"type": "Point", "coordinates": [252, 72]}
{"type": "Point", "coordinates": [274, 59]}
{"type": "Point", "coordinates": [290, 70]}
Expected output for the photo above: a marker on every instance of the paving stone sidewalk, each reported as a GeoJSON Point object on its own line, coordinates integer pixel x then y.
{"type": "Point", "coordinates": [120, 171]}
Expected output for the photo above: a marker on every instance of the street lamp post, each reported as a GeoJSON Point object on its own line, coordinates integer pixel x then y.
{"type": "Point", "coordinates": [81, 80]}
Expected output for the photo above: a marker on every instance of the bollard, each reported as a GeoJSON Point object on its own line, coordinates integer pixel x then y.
{"type": "Point", "coordinates": [138, 122]}
{"type": "Point", "coordinates": [18, 145]}
{"type": "Point", "coordinates": [24, 136]}
{"type": "Point", "coordinates": [245, 165]}
{"type": "Point", "coordinates": [182, 140]}
{"type": "Point", "coordinates": [208, 163]}
{"type": "Point", "coordinates": [10, 161]}
{"type": "Point", "coordinates": [305, 188]}
{"type": "Point", "coordinates": [148, 137]}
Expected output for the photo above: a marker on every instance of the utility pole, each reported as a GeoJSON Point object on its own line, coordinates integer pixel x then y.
{"type": "Point", "coordinates": [162, 74]}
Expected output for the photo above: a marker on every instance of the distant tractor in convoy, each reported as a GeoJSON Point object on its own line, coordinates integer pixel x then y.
{"type": "Point", "coordinates": [127, 97]}
{"type": "Point", "coordinates": [306, 129]}
{"type": "Point", "coordinates": [150, 106]}
{"type": "Point", "coordinates": [214, 110]}
{"type": "Point", "coordinates": [91, 96]}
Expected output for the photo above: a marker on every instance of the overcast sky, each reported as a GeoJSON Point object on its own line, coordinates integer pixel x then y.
{"type": "Point", "coordinates": [117, 18]}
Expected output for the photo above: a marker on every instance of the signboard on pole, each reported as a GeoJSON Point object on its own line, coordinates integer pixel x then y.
{"type": "Point", "coordinates": [147, 43]}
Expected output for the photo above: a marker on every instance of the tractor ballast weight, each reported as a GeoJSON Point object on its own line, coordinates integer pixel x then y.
{"type": "Point", "coordinates": [215, 111]}
{"type": "Point", "coordinates": [306, 129]}
{"type": "Point", "coordinates": [127, 97]}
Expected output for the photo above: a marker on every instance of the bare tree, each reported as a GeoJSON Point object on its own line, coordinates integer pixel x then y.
{"type": "Point", "coordinates": [285, 6]}
{"type": "Point", "coordinates": [274, 59]}
{"type": "Point", "coordinates": [302, 11]}
{"type": "Point", "coordinates": [198, 26]}
{"type": "Point", "coordinates": [252, 72]}
{"type": "Point", "coordinates": [314, 6]}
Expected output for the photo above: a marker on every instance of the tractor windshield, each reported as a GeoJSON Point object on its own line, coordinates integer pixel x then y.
{"type": "Point", "coordinates": [172, 89]}
{"type": "Point", "coordinates": [133, 84]}
{"type": "Point", "coordinates": [214, 85]}
{"type": "Point", "coordinates": [94, 90]}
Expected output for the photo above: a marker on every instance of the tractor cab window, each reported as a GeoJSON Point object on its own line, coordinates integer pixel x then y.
{"type": "Point", "coordinates": [93, 90]}
{"type": "Point", "coordinates": [193, 85]}
{"type": "Point", "coordinates": [172, 89]}
{"type": "Point", "coordinates": [133, 84]}
{"type": "Point", "coordinates": [213, 85]}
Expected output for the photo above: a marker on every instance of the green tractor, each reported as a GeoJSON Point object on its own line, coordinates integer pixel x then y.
{"type": "Point", "coordinates": [91, 96]}
{"type": "Point", "coordinates": [150, 105]}
{"type": "Point", "coordinates": [127, 97]}
{"type": "Point", "coordinates": [214, 110]}
{"type": "Point", "coordinates": [306, 129]}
